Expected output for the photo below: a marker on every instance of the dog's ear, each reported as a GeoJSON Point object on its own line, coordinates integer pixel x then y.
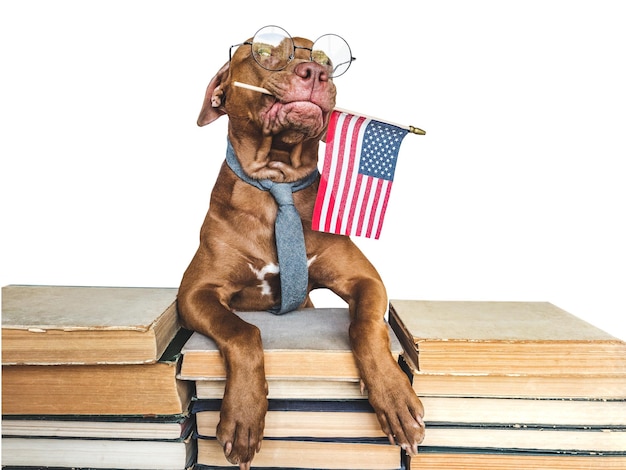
{"type": "Point", "coordinates": [213, 106]}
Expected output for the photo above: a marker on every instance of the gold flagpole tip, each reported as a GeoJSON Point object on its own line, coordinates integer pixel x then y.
{"type": "Point", "coordinates": [416, 130]}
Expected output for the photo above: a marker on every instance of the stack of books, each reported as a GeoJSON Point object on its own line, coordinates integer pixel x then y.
{"type": "Point", "coordinates": [89, 379]}
{"type": "Point", "coordinates": [318, 418]}
{"type": "Point", "coordinates": [513, 385]}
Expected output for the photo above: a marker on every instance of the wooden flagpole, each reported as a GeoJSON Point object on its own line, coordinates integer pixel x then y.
{"type": "Point", "coordinates": [411, 129]}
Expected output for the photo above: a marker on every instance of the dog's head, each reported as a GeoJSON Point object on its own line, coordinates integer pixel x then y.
{"type": "Point", "coordinates": [276, 135]}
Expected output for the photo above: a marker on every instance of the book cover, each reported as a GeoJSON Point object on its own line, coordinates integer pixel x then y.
{"type": "Point", "coordinates": [302, 418]}
{"type": "Point", "coordinates": [327, 455]}
{"type": "Point", "coordinates": [108, 389]}
{"type": "Point", "coordinates": [502, 337]}
{"type": "Point", "coordinates": [47, 325]}
{"type": "Point", "coordinates": [302, 389]}
{"type": "Point", "coordinates": [481, 459]}
{"type": "Point", "coordinates": [511, 437]}
{"type": "Point", "coordinates": [176, 454]}
{"type": "Point", "coordinates": [161, 427]}
{"type": "Point", "coordinates": [520, 412]}
{"type": "Point", "coordinates": [592, 386]}
{"type": "Point", "coordinates": [305, 344]}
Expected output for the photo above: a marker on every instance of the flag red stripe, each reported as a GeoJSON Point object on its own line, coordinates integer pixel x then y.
{"type": "Point", "coordinates": [337, 163]}
{"type": "Point", "coordinates": [374, 207]}
{"type": "Point", "coordinates": [354, 203]}
{"type": "Point", "coordinates": [321, 192]}
{"type": "Point", "coordinates": [363, 211]}
{"type": "Point", "coordinates": [383, 211]}
{"type": "Point", "coordinates": [348, 179]}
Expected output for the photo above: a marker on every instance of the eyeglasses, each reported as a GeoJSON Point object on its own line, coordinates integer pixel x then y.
{"type": "Point", "coordinates": [273, 48]}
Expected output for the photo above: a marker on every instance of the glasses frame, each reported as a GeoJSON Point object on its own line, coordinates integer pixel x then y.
{"type": "Point", "coordinates": [293, 52]}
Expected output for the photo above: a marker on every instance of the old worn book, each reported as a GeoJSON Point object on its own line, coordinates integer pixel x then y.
{"type": "Point", "coordinates": [304, 389]}
{"type": "Point", "coordinates": [174, 454]}
{"type": "Point", "coordinates": [77, 325]}
{"type": "Point", "coordinates": [597, 386]}
{"type": "Point", "coordinates": [525, 411]}
{"type": "Point", "coordinates": [147, 427]}
{"type": "Point", "coordinates": [108, 389]}
{"type": "Point", "coordinates": [302, 418]}
{"type": "Point", "coordinates": [449, 459]}
{"type": "Point", "coordinates": [355, 418]}
{"type": "Point", "coordinates": [297, 454]}
{"type": "Point", "coordinates": [502, 338]}
{"type": "Point", "coordinates": [511, 437]}
{"type": "Point", "coordinates": [309, 344]}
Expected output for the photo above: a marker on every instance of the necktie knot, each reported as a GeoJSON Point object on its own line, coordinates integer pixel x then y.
{"type": "Point", "coordinates": [283, 193]}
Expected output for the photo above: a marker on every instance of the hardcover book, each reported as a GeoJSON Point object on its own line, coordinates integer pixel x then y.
{"type": "Point", "coordinates": [302, 418]}
{"type": "Point", "coordinates": [463, 459]}
{"type": "Point", "coordinates": [502, 338]}
{"type": "Point", "coordinates": [49, 325]}
{"type": "Point", "coordinates": [308, 344]}
{"type": "Point", "coordinates": [174, 454]}
{"type": "Point", "coordinates": [108, 389]}
{"type": "Point", "coordinates": [327, 455]}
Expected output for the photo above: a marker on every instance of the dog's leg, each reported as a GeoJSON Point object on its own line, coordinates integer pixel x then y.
{"type": "Point", "coordinates": [399, 410]}
{"type": "Point", "coordinates": [346, 271]}
{"type": "Point", "coordinates": [242, 415]}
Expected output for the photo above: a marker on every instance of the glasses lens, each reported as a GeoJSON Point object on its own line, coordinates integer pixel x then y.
{"type": "Point", "coordinates": [272, 48]}
{"type": "Point", "coordinates": [332, 51]}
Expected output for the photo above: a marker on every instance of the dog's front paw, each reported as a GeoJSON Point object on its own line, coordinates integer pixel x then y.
{"type": "Point", "coordinates": [242, 420]}
{"type": "Point", "coordinates": [400, 412]}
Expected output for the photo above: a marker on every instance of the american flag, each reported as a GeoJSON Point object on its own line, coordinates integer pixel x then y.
{"type": "Point", "coordinates": [359, 165]}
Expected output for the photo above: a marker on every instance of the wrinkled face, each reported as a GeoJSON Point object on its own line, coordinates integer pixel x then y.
{"type": "Point", "coordinates": [302, 92]}
{"type": "Point", "coordinates": [276, 133]}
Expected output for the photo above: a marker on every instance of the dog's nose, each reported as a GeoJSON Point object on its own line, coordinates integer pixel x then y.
{"type": "Point", "coordinates": [312, 71]}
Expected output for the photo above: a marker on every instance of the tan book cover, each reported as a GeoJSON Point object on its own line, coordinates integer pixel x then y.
{"type": "Point", "coordinates": [354, 419]}
{"type": "Point", "coordinates": [306, 344]}
{"type": "Point", "coordinates": [513, 461]}
{"type": "Point", "coordinates": [145, 427]}
{"type": "Point", "coordinates": [528, 438]}
{"type": "Point", "coordinates": [48, 453]}
{"type": "Point", "coordinates": [310, 455]}
{"type": "Point", "coordinates": [303, 389]}
{"type": "Point", "coordinates": [43, 325]}
{"type": "Point", "coordinates": [502, 337]}
{"type": "Point", "coordinates": [304, 423]}
{"type": "Point", "coordinates": [321, 419]}
{"type": "Point", "coordinates": [600, 386]}
{"type": "Point", "coordinates": [94, 390]}
{"type": "Point", "coordinates": [525, 411]}
{"type": "Point", "coordinates": [105, 389]}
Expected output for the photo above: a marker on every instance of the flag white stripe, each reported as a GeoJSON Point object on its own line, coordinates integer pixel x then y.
{"type": "Point", "coordinates": [343, 183]}
{"type": "Point", "coordinates": [352, 182]}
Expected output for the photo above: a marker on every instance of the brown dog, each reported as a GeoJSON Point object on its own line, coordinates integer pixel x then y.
{"type": "Point", "coordinates": [277, 138]}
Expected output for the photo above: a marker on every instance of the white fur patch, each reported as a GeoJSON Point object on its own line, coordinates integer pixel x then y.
{"type": "Point", "coordinates": [260, 275]}
{"type": "Point", "coordinates": [270, 268]}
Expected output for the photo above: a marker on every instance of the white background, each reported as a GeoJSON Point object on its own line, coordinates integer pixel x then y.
{"type": "Point", "coordinates": [517, 192]}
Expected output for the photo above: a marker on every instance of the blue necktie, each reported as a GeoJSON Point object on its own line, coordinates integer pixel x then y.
{"type": "Point", "coordinates": [292, 261]}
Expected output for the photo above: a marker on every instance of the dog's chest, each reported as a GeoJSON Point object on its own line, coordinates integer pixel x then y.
{"type": "Point", "coordinates": [266, 279]}
{"type": "Point", "coordinates": [263, 291]}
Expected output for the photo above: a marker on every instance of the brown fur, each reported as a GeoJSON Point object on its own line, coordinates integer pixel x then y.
{"type": "Point", "coordinates": [277, 137]}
